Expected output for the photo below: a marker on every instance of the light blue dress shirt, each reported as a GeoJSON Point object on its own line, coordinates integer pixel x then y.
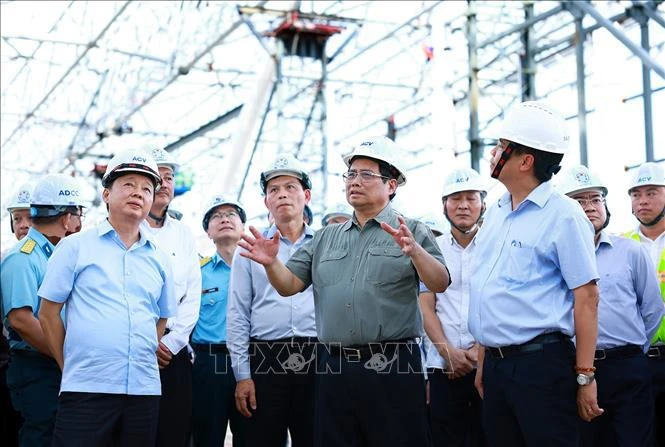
{"type": "Point", "coordinates": [114, 296]}
{"type": "Point", "coordinates": [256, 310]}
{"type": "Point", "coordinates": [211, 327]}
{"type": "Point", "coordinates": [21, 275]}
{"type": "Point", "coordinates": [526, 264]}
{"type": "Point", "coordinates": [630, 307]}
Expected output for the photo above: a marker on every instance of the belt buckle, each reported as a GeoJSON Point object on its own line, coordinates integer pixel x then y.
{"type": "Point", "coordinates": [653, 352]}
{"type": "Point", "coordinates": [602, 353]}
{"type": "Point", "coordinates": [351, 354]}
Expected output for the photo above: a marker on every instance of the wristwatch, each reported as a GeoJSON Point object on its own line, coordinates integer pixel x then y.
{"type": "Point", "coordinates": [585, 379]}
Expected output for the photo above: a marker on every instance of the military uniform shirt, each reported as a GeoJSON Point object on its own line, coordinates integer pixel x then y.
{"type": "Point", "coordinates": [114, 296]}
{"type": "Point", "coordinates": [22, 273]}
{"type": "Point", "coordinates": [211, 327]}
{"type": "Point", "coordinates": [365, 288]}
{"type": "Point", "coordinates": [630, 307]}
{"type": "Point", "coordinates": [526, 265]}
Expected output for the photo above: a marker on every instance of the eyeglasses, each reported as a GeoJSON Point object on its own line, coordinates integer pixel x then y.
{"type": "Point", "coordinates": [168, 178]}
{"type": "Point", "coordinates": [229, 215]}
{"type": "Point", "coordinates": [365, 176]}
{"type": "Point", "coordinates": [595, 202]}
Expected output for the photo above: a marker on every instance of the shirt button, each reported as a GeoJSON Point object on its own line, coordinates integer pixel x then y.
{"type": "Point", "coordinates": [128, 273]}
{"type": "Point", "coordinates": [352, 278]}
{"type": "Point", "coordinates": [348, 305]}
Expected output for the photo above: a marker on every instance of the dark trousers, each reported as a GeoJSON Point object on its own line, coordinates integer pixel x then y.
{"type": "Point", "coordinates": [175, 405]}
{"type": "Point", "coordinates": [624, 392]}
{"type": "Point", "coordinates": [657, 368]}
{"type": "Point", "coordinates": [455, 410]}
{"type": "Point", "coordinates": [10, 421]}
{"type": "Point", "coordinates": [101, 420]}
{"type": "Point", "coordinates": [530, 399]}
{"type": "Point", "coordinates": [283, 375]}
{"type": "Point", "coordinates": [213, 397]}
{"type": "Point", "coordinates": [33, 380]}
{"type": "Point", "coordinates": [373, 402]}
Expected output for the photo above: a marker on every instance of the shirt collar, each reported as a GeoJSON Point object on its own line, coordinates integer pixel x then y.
{"type": "Point", "coordinates": [41, 240]}
{"type": "Point", "coordinates": [604, 239]}
{"type": "Point", "coordinates": [386, 215]}
{"type": "Point", "coordinates": [145, 237]}
{"type": "Point", "coordinates": [273, 229]}
{"type": "Point", "coordinates": [539, 196]}
{"type": "Point", "coordinates": [449, 237]}
{"type": "Point", "coordinates": [216, 259]}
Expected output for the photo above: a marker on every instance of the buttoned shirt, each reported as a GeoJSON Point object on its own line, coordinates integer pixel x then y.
{"type": "Point", "coordinates": [630, 307]}
{"type": "Point", "coordinates": [526, 265]}
{"type": "Point", "coordinates": [365, 287]}
{"type": "Point", "coordinates": [211, 326]}
{"type": "Point", "coordinates": [114, 296]}
{"type": "Point", "coordinates": [22, 274]}
{"type": "Point", "coordinates": [177, 241]}
{"type": "Point", "coordinates": [452, 306]}
{"type": "Point", "coordinates": [256, 310]}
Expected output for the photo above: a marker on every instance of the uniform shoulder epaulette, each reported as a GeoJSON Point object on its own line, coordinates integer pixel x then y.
{"type": "Point", "coordinates": [28, 246]}
{"type": "Point", "coordinates": [205, 260]}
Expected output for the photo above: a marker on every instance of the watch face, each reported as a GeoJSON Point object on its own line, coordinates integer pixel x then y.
{"type": "Point", "coordinates": [581, 379]}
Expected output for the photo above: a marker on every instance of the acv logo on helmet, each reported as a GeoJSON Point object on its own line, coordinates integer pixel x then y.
{"type": "Point", "coordinates": [139, 159]}
{"type": "Point", "coordinates": [644, 179]}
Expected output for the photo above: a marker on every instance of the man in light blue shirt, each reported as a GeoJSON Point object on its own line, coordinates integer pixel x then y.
{"type": "Point", "coordinates": [213, 382]}
{"type": "Point", "coordinates": [119, 292]}
{"type": "Point", "coordinates": [33, 376]}
{"type": "Point", "coordinates": [629, 313]}
{"type": "Point", "coordinates": [267, 331]}
{"type": "Point", "coordinates": [534, 268]}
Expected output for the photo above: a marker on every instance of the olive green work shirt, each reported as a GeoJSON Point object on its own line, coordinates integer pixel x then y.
{"type": "Point", "coordinates": [365, 288]}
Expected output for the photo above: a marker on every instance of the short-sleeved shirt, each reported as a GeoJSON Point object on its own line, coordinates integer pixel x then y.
{"type": "Point", "coordinates": [22, 273]}
{"type": "Point", "coordinates": [526, 265]}
{"type": "Point", "coordinates": [211, 326]}
{"type": "Point", "coordinates": [365, 287]}
{"type": "Point", "coordinates": [114, 296]}
{"type": "Point", "coordinates": [630, 307]}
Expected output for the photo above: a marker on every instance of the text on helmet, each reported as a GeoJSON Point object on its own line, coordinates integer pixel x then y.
{"type": "Point", "coordinates": [139, 159]}
{"type": "Point", "coordinates": [66, 192]}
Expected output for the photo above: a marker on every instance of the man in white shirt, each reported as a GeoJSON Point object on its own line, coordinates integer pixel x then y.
{"type": "Point", "coordinates": [177, 241]}
{"type": "Point", "coordinates": [453, 354]}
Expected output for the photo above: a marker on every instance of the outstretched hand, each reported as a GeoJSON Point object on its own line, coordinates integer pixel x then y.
{"type": "Point", "coordinates": [402, 236]}
{"type": "Point", "coordinates": [259, 249]}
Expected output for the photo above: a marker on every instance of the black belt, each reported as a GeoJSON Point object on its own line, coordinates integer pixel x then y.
{"type": "Point", "coordinates": [656, 351]}
{"type": "Point", "coordinates": [288, 341]}
{"type": "Point", "coordinates": [533, 345]}
{"type": "Point", "coordinates": [211, 348]}
{"type": "Point", "coordinates": [617, 353]}
{"type": "Point", "coordinates": [356, 353]}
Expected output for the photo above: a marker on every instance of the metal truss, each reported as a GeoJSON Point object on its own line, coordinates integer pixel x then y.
{"type": "Point", "coordinates": [81, 80]}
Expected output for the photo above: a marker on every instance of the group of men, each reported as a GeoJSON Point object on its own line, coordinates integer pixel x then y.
{"type": "Point", "coordinates": [541, 328]}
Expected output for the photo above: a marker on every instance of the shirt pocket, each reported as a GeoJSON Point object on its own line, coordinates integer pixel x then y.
{"type": "Point", "coordinates": [387, 265]}
{"type": "Point", "coordinates": [330, 269]}
{"type": "Point", "coordinates": [520, 263]}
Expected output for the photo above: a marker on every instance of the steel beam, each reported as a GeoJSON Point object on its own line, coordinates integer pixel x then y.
{"type": "Point", "coordinates": [474, 92]}
{"type": "Point", "coordinates": [527, 64]}
{"type": "Point", "coordinates": [91, 45]}
{"type": "Point", "coordinates": [521, 26]}
{"type": "Point", "coordinates": [226, 117]}
{"type": "Point", "coordinates": [581, 88]}
{"type": "Point", "coordinates": [639, 14]}
{"type": "Point", "coordinates": [638, 51]}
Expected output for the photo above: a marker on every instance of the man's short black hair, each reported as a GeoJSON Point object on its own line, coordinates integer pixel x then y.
{"type": "Point", "coordinates": [546, 164]}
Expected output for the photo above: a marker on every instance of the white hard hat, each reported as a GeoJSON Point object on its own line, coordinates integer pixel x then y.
{"type": "Point", "coordinates": [285, 164]}
{"type": "Point", "coordinates": [54, 193]}
{"type": "Point", "coordinates": [536, 125]}
{"type": "Point", "coordinates": [132, 161]}
{"type": "Point", "coordinates": [20, 200]}
{"type": "Point", "coordinates": [464, 179]}
{"type": "Point", "coordinates": [336, 210]}
{"type": "Point", "coordinates": [579, 179]}
{"type": "Point", "coordinates": [379, 148]}
{"type": "Point", "coordinates": [164, 159]}
{"type": "Point", "coordinates": [434, 222]}
{"type": "Point", "coordinates": [648, 173]}
{"type": "Point", "coordinates": [220, 200]}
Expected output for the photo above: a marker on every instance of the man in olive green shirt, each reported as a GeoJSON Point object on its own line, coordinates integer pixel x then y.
{"type": "Point", "coordinates": [365, 276]}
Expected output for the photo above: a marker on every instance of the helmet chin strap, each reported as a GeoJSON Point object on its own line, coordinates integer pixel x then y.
{"type": "Point", "coordinates": [607, 220]}
{"type": "Point", "coordinates": [159, 220]}
{"type": "Point", "coordinates": [505, 155]}
{"type": "Point", "coordinates": [461, 230]}
{"type": "Point", "coordinates": [657, 219]}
